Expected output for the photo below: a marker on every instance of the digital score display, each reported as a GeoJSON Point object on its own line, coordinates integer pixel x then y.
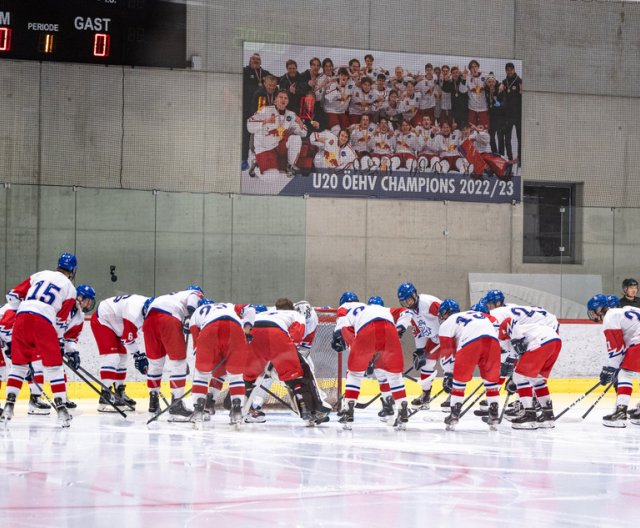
{"type": "Point", "coordinates": [127, 32]}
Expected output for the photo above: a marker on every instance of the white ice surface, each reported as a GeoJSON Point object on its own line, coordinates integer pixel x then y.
{"type": "Point", "coordinates": [105, 471]}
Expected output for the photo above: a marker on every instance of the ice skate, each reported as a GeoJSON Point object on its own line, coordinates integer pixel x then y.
{"type": "Point", "coordinates": [483, 410]}
{"type": "Point", "coordinates": [209, 407]}
{"type": "Point", "coordinates": [235, 415]}
{"type": "Point", "coordinates": [423, 401]}
{"type": "Point", "coordinates": [452, 420]}
{"type": "Point", "coordinates": [38, 407]}
{"type": "Point", "coordinates": [122, 400]}
{"type": "Point", "coordinates": [634, 415]}
{"type": "Point", "coordinates": [387, 410]}
{"type": "Point", "coordinates": [255, 415]}
{"type": "Point", "coordinates": [527, 420]}
{"type": "Point", "coordinates": [7, 413]}
{"type": "Point", "coordinates": [106, 396]}
{"type": "Point", "coordinates": [178, 411]}
{"type": "Point", "coordinates": [154, 403]}
{"type": "Point", "coordinates": [445, 406]}
{"type": "Point", "coordinates": [70, 405]}
{"type": "Point", "coordinates": [616, 419]}
{"type": "Point", "coordinates": [403, 416]}
{"type": "Point", "coordinates": [197, 418]}
{"type": "Point", "coordinates": [492, 417]}
{"type": "Point", "coordinates": [64, 418]}
{"type": "Point", "coordinates": [347, 418]}
{"type": "Point", "coordinates": [547, 420]}
{"type": "Point", "coordinates": [514, 411]}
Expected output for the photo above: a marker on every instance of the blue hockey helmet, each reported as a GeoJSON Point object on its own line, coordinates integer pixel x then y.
{"type": "Point", "coordinates": [68, 262]}
{"type": "Point", "coordinates": [597, 306]}
{"type": "Point", "coordinates": [448, 307]}
{"type": "Point", "coordinates": [195, 287]}
{"type": "Point", "coordinates": [613, 300]}
{"type": "Point", "coordinates": [480, 307]}
{"type": "Point", "coordinates": [86, 292]}
{"type": "Point", "coordinates": [259, 308]}
{"type": "Point", "coordinates": [494, 297]}
{"type": "Point", "coordinates": [407, 295]}
{"type": "Point", "coordinates": [145, 306]}
{"type": "Point", "coordinates": [348, 297]}
{"type": "Point", "coordinates": [204, 301]}
{"type": "Point", "coordinates": [376, 300]}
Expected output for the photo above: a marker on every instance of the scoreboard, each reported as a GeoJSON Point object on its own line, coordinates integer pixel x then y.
{"type": "Point", "coordinates": [128, 32]}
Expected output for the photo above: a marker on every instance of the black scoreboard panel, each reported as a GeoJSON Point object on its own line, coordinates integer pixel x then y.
{"type": "Point", "coordinates": [130, 32]}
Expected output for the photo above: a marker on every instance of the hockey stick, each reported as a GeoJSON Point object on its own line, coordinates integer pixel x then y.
{"type": "Point", "coordinates": [439, 393]}
{"type": "Point", "coordinates": [104, 387]}
{"type": "Point", "coordinates": [504, 407]}
{"type": "Point", "coordinates": [579, 399]}
{"type": "Point", "coordinates": [596, 402]}
{"type": "Point", "coordinates": [366, 404]}
{"type": "Point", "coordinates": [177, 400]}
{"type": "Point", "coordinates": [46, 396]}
{"type": "Point", "coordinates": [472, 403]}
{"type": "Point", "coordinates": [83, 378]}
{"type": "Point", "coordinates": [471, 395]}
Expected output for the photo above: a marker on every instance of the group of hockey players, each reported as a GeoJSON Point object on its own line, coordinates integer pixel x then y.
{"type": "Point", "coordinates": [362, 117]}
{"type": "Point", "coordinates": [248, 346]}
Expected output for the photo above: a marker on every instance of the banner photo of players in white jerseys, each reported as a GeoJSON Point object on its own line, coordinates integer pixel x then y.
{"type": "Point", "coordinates": [338, 122]}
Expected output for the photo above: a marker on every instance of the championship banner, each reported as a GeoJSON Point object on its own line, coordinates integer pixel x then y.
{"type": "Point", "coordinates": [380, 124]}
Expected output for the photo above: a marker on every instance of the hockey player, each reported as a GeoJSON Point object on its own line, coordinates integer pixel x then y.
{"type": "Point", "coordinates": [427, 87]}
{"type": "Point", "coordinates": [427, 156]}
{"type": "Point", "coordinates": [476, 83]}
{"type": "Point", "coordinates": [391, 109]}
{"type": "Point", "coordinates": [360, 135]}
{"type": "Point", "coordinates": [333, 152]}
{"type": "Point", "coordinates": [407, 144]}
{"type": "Point", "coordinates": [376, 339]}
{"type": "Point", "coordinates": [336, 101]}
{"type": "Point", "coordinates": [220, 343]}
{"type": "Point", "coordinates": [163, 328]}
{"type": "Point", "coordinates": [423, 310]}
{"type": "Point", "coordinates": [115, 326]}
{"type": "Point", "coordinates": [534, 337]}
{"type": "Point", "coordinates": [362, 101]}
{"type": "Point", "coordinates": [473, 340]}
{"type": "Point", "coordinates": [49, 297]}
{"type": "Point", "coordinates": [276, 335]}
{"type": "Point", "coordinates": [621, 327]}
{"type": "Point", "coordinates": [445, 145]}
{"type": "Point", "coordinates": [278, 134]}
{"type": "Point", "coordinates": [409, 104]}
{"type": "Point", "coordinates": [381, 145]}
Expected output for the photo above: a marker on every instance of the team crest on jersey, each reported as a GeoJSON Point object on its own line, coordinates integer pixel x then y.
{"type": "Point", "coordinates": [343, 153]}
{"type": "Point", "coordinates": [289, 118]}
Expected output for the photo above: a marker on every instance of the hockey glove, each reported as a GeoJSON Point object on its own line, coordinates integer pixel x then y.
{"type": "Point", "coordinates": [73, 358]}
{"type": "Point", "coordinates": [447, 382]}
{"type": "Point", "coordinates": [608, 375]}
{"type": "Point", "coordinates": [369, 372]}
{"type": "Point", "coordinates": [519, 346]}
{"type": "Point", "coordinates": [30, 374]}
{"type": "Point", "coordinates": [401, 330]}
{"type": "Point", "coordinates": [141, 362]}
{"type": "Point", "coordinates": [7, 350]}
{"type": "Point", "coordinates": [185, 326]}
{"type": "Point", "coordinates": [419, 359]}
{"type": "Point", "coordinates": [511, 386]}
{"type": "Point", "coordinates": [248, 337]}
{"type": "Point", "coordinates": [506, 369]}
{"type": "Point", "coordinates": [337, 343]}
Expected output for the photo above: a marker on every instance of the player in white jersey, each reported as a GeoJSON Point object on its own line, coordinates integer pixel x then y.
{"type": "Point", "coordinates": [426, 132]}
{"type": "Point", "coordinates": [220, 343]}
{"type": "Point", "coordinates": [382, 145]}
{"type": "Point", "coordinates": [336, 101]}
{"type": "Point", "coordinates": [478, 109]}
{"type": "Point", "coordinates": [423, 310]}
{"type": "Point", "coordinates": [362, 101]}
{"type": "Point", "coordinates": [445, 145]}
{"type": "Point", "coordinates": [376, 340]}
{"type": "Point", "coordinates": [115, 326]}
{"type": "Point", "coordinates": [391, 109]}
{"type": "Point", "coordinates": [621, 327]}
{"type": "Point", "coordinates": [407, 144]}
{"type": "Point", "coordinates": [333, 152]}
{"type": "Point", "coordinates": [360, 135]}
{"type": "Point", "coordinates": [278, 134]}
{"type": "Point", "coordinates": [409, 104]}
{"type": "Point", "coordinates": [276, 337]}
{"type": "Point", "coordinates": [472, 339]}
{"type": "Point", "coordinates": [427, 87]}
{"type": "Point", "coordinates": [163, 328]}
{"type": "Point", "coordinates": [48, 298]}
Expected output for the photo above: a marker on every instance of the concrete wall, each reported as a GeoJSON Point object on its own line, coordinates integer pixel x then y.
{"type": "Point", "coordinates": [149, 129]}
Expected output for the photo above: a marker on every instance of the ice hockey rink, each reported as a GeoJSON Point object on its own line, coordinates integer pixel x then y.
{"type": "Point", "coordinates": [105, 471]}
